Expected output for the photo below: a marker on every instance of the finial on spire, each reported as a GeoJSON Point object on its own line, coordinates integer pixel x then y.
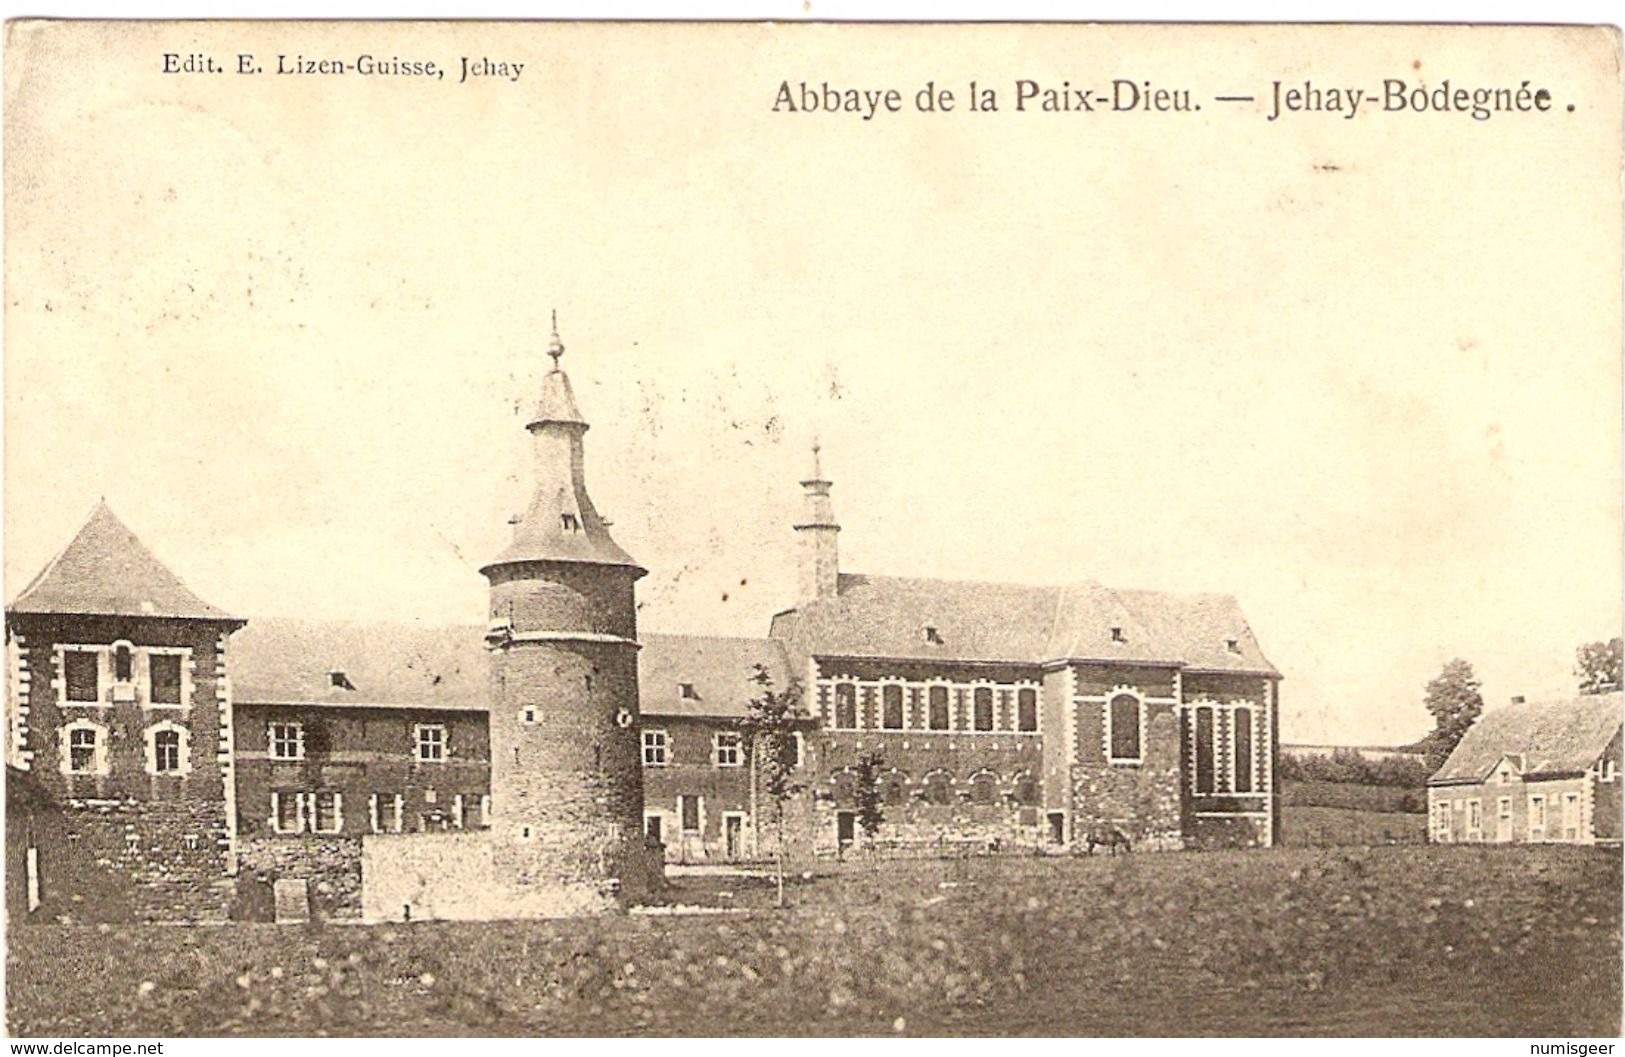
{"type": "Point", "coordinates": [818, 469]}
{"type": "Point", "coordinates": [555, 348]}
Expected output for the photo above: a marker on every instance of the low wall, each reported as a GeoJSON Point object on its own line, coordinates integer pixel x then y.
{"type": "Point", "coordinates": [331, 866]}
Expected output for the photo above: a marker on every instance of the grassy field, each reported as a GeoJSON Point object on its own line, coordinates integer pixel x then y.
{"type": "Point", "coordinates": [1325, 827]}
{"type": "Point", "coordinates": [1400, 940]}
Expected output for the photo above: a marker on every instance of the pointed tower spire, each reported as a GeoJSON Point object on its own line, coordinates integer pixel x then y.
{"type": "Point", "coordinates": [820, 566]}
{"type": "Point", "coordinates": [560, 523]}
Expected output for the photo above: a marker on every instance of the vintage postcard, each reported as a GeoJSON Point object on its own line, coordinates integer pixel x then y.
{"type": "Point", "coordinates": [723, 529]}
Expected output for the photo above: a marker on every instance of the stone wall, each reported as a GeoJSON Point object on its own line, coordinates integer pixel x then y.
{"type": "Point", "coordinates": [330, 865]}
{"type": "Point", "coordinates": [1141, 799]}
{"type": "Point", "coordinates": [143, 861]}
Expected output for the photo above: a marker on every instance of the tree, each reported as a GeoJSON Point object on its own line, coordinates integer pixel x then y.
{"type": "Point", "coordinates": [866, 788]}
{"type": "Point", "coordinates": [1454, 701]}
{"type": "Point", "coordinates": [1597, 664]}
{"type": "Point", "coordinates": [770, 730]}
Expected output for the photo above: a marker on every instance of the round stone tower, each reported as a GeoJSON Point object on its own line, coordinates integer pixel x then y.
{"type": "Point", "coordinates": [566, 778]}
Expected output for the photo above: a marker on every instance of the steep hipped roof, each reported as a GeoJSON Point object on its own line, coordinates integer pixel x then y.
{"type": "Point", "coordinates": [276, 660]}
{"type": "Point", "coordinates": [719, 670]}
{"type": "Point", "coordinates": [885, 616]}
{"type": "Point", "coordinates": [1554, 737]}
{"type": "Point", "coordinates": [106, 570]}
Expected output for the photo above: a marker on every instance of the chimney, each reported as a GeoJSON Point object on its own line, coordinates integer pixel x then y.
{"type": "Point", "coordinates": [819, 558]}
{"type": "Point", "coordinates": [1517, 699]}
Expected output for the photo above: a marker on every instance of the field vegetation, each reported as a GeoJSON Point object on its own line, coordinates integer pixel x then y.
{"type": "Point", "coordinates": [1521, 941]}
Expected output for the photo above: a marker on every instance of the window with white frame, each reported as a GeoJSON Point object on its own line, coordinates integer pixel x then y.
{"type": "Point", "coordinates": [1475, 817]}
{"type": "Point", "coordinates": [982, 708]}
{"type": "Point", "coordinates": [728, 751]}
{"type": "Point", "coordinates": [1027, 710]}
{"type": "Point", "coordinates": [81, 675]}
{"type": "Point", "coordinates": [798, 748]}
{"type": "Point", "coordinates": [1123, 728]}
{"type": "Point", "coordinates": [891, 707]}
{"type": "Point", "coordinates": [1608, 771]}
{"type": "Point", "coordinates": [287, 741]}
{"type": "Point", "coordinates": [938, 715]}
{"type": "Point", "coordinates": [655, 748]}
{"type": "Point", "coordinates": [327, 812]}
{"type": "Point", "coordinates": [1537, 816]}
{"type": "Point", "coordinates": [164, 679]}
{"type": "Point", "coordinates": [84, 748]}
{"type": "Point", "coordinates": [1241, 753]}
{"type": "Point", "coordinates": [123, 663]}
{"type": "Point", "coordinates": [431, 742]}
{"type": "Point", "coordinates": [287, 811]}
{"type": "Point", "coordinates": [846, 706]}
{"type": "Point", "coordinates": [1571, 816]}
{"type": "Point", "coordinates": [167, 750]}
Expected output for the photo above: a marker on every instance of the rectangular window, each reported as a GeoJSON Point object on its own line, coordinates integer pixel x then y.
{"type": "Point", "coordinates": [1027, 710]}
{"type": "Point", "coordinates": [1504, 807]}
{"type": "Point", "coordinates": [846, 707]}
{"type": "Point", "coordinates": [82, 750]}
{"type": "Point", "coordinates": [1204, 750]}
{"type": "Point", "coordinates": [938, 718]}
{"type": "Point", "coordinates": [654, 748]}
{"type": "Point", "coordinates": [796, 748]}
{"type": "Point", "coordinates": [1571, 816]}
{"type": "Point", "coordinates": [327, 812]}
{"type": "Point", "coordinates": [166, 751]}
{"type": "Point", "coordinates": [82, 671]}
{"type": "Point", "coordinates": [983, 710]}
{"type": "Point", "coordinates": [1475, 818]}
{"type": "Point", "coordinates": [431, 742]}
{"type": "Point", "coordinates": [165, 671]}
{"type": "Point", "coordinates": [689, 807]}
{"type": "Point", "coordinates": [287, 812]}
{"type": "Point", "coordinates": [485, 810]}
{"type": "Point", "coordinates": [891, 707]}
{"type": "Point", "coordinates": [287, 741]}
{"type": "Point", "coordinates": [1537, 818]}
{"type": "Point", "coordinates": [375, 818]}
{"type": "Point", "coordinates": [1441, 820]}
{"type": "Point", "coordinates": [1243, 749]}
{"type": "Point", "coordinates": [728, 753]}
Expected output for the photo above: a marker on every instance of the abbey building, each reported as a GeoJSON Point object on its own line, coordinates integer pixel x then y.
{"type": "Point", "coordinates": [168, 760]}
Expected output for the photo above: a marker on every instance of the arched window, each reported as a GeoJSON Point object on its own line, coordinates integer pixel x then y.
{"type": "Point", "coordinates": [938, 788]}
{"type": "Point", "coordinates": [1025, 789]}
{"type": "Point", "coordinates": [84, 748]}
{"type": "Point", "coordinates": [893, 787]}
{"type": "Point", "coordinates": [123, 663]}
{"type": "Point", "coordinates": [1204, 749]}
{"type": "Point", "coordinates": [1242, 752]}
{"type": "Point", "coordinates": [984, 708]}
{"type": "Point", "coordinates": [844, 786]}
{"type": "Point", "coordinates": [1027, 710]}
{"type": "Point", "coordinates": [984, 788]}
{"type": "Point", "coordinates": [939, 718]}
{"type": "Point", "coordinates": [891, 707]}
{"type": "Point", "coordinates": [167, 750]}
{"type": "Point", "coordinates": [1124, 719]}
{"type": "Point", "coordinates": [846, 707]}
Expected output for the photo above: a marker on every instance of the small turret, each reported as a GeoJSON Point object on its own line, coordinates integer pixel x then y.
{"type": "Point", "coordinates": [819, 563]}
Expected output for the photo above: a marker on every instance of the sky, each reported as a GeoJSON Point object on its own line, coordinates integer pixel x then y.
{"type": "Point", "coordinates": [1363, 375]}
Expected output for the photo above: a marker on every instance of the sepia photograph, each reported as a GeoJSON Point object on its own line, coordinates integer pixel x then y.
{"type": "Point", "coordinates": [748, 529]}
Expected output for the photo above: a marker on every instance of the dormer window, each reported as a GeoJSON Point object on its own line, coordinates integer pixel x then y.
{"type": "Point", "coordinates": [339, 681]}
{"type": "Point", "coordinates": [932, 636]}
{"type": "Point", "coordinates": [1233, 645]}
{"type": "Point", "coordinates": [686, 692]}
{"type": "Point", "coordinates": [1118, 636]}
{"type": "Point", "coordinates": [571, 522]}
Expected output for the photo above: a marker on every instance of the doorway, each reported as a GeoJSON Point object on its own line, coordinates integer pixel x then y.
{"type": "Point", "coordinates": [1057, 827]}
{"type": "Point", "coordinates": [846, 826]}
{"type": "Point", "coordinates": [733, 835]}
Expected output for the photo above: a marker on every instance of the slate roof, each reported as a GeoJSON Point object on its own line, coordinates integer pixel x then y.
{"type": "Point", "coordinates": [1554, 737]}
{"type": "Point", "coordinates": [276, 660]}
{"type": "Point", "coordinates": [106, 570]}
{"type": "Point", "coordinates": [719, 669]}
{"type": "Point", "coordinates": [887, 617]}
